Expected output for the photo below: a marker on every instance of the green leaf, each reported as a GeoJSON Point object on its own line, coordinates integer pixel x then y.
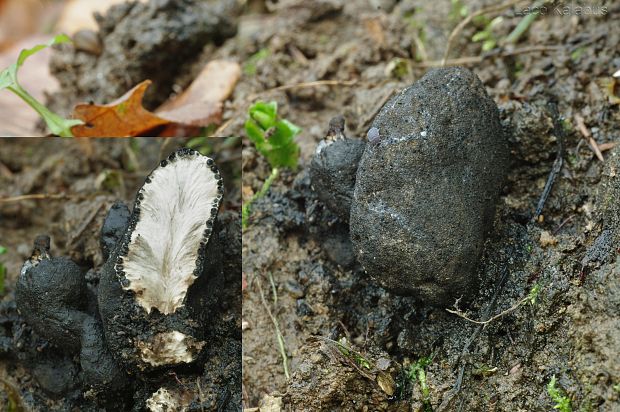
{"type": "Point", "coordinates": [265, 114]}
{"type": "Point", "coordinates": [481, 35]}
{"type": "Point", "coordinates": [5, 80]}
{"type": "Point", "coordinates": [251, 64]}
{"type": "Point", "coordinates": [488, 45]}
{"type": "Point", "coordinates": [2, 250]}
{"type": "Point", "coordinates": [274, 138]}
{"type": "Point", "coordinates": [8, 80]}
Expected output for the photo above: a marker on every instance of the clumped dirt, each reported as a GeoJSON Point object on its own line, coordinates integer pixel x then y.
{"type": "Point", "coordinates": [91, 176]}
{"type": "Point", "coordinates": [296, 253]}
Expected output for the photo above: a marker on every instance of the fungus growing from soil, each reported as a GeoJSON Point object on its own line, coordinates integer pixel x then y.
{"type": "Point", "coordinates": [156, 289]}
{"type": "Point", "coordinates": [156, 280]}
{"type": "Point", "coordinates": [420, 196]}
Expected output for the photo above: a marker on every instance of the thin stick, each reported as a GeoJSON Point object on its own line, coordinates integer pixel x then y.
{"type": "Point", "coordinates": [607, 146]}
{"type": "Point", "coordinates": [305, 85]}
{"type": "Point", "coordinates": [457, 30]}
{"type": "Point", "coordinates": [491, 319]}
{"type": "Point", "coordinates": [38, 196]}
{"type": "Point", "coordinates": [220, 130]}
{"type": "Point", "coordinates": [274, 291]}
{"type": "Point", "coordinates": [588, 136]}
{"type": "Point", "coordinates": [246, 210]}
{"type": "Point", "coordinates": [276, 325]}
{"type": "Point", "coordinates": [377, 108]}
{"type": "Point", "coordinates": [479, 59]}
{"type": "Point", "coordinates": [558, 131]}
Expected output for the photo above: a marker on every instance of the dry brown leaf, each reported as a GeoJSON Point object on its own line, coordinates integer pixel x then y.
{"type": "Point", "coordinates": [125, 117]}
{"type": "Point", "coordinates": [200, 105]}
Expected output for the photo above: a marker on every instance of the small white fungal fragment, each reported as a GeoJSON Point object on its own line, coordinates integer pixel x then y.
{"type": "Point", "coordinates": [163, 401]}
{"type": "Point", "coordinates": [174, 209]}
{"type": "Point", "coordinates": [169, 348]}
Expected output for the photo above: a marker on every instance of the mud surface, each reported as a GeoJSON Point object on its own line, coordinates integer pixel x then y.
{"type": "Point", "coordinates": [296, 249]}
{"type": "Point", "coordinates": [75, 373]}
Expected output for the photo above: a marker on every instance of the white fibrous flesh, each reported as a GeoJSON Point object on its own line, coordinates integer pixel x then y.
{"type": "Point", "coordinates": [164, 246]}
{"type": "Point", "coordinates": [162, 401]}
{"type": "Point", "coordinates": [169, 348]}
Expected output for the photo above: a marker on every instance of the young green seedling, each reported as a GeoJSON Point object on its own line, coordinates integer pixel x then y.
{"type": "Point", "coordinates": [274, 138]}
{"type": "Point", "coordinates": [417, 372]}
{"type": "Point", "coordinates": [8, 80]}
{"type": "Point", "coordinates": [562, 402]}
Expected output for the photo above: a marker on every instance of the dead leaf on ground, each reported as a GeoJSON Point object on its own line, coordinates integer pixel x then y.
{"type": "Point", "coordinates": [124, 117]}
{"type": "Point", "coordinates": [198, 106]}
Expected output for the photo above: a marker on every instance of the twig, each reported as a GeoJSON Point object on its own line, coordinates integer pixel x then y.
{"type": "Point", "coordinates": [588, 136]}
{"type": "Point", "coordinates": [305, 85]}
{"type": "Point", "coordinates": [276, 325]}
{"type": "Point", "coordinates": [85, 224]}
{"type": "Point", "coordinates": [38, 196]}
{"type": "Point", "coordinates": [491, 319]}
{"type": "Point", "coordinates": [447, 401]}
{"type": "Point", "coordinates": [558, 131]}
{"type": "Point", "coordinates": [607, 146]}
{"type": "Point", "coordinates": [218, 132]}
{"type": "Point", "coordinates": [377, 108]}
{"type": "Point", "coordinates": [274, 291]}
{"type": "Point", "coordinates": [5, 171]}
{"type": "Point", "coordinates": [457, 30]}
{"type": "Point", "coordinates": [499, 52]}
{"type": "Point", "coordinates": [561, 225]}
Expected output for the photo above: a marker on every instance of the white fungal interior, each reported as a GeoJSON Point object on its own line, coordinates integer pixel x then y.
{"type": "Point", "coordinates": [163, 401]}
{"type": "Point", "coordinates": [164, 245]}
{"type": "Point", "coordinates": [169, 348]}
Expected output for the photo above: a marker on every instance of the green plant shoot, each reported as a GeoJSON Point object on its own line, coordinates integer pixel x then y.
{"type": "Point", "coordinates": [417, 372]}
{"type": "Point", "coordinates": [8, 80]}
{"type": "Point", "coordinates": [562, 402]}
{"type": "Point", "coordinates": [274, 138]}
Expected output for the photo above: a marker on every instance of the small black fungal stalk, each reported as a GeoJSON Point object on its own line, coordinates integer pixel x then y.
{"type": "Point", "coordinates": [157, 287]}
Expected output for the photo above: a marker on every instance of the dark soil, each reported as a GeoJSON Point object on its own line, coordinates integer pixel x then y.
{"type": "Point", "coordinates": [571, 331]}
{"type": "Point", "coordinates": [92, 175]}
